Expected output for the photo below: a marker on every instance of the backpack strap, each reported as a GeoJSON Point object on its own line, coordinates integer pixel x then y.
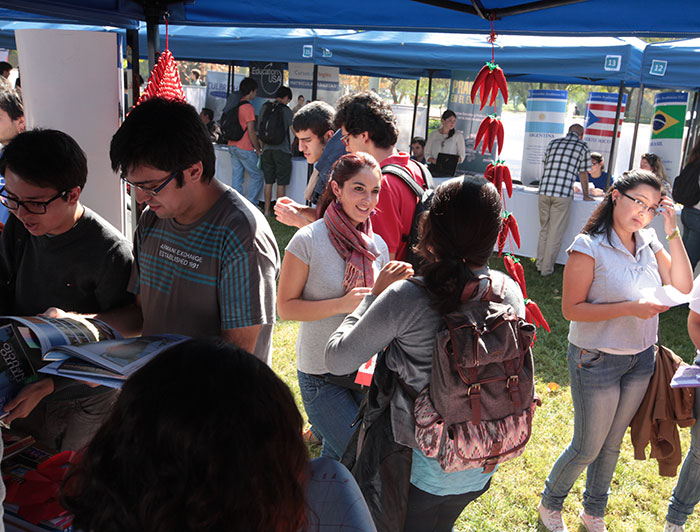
{"type": "Point", "coordinates": [405, 176]}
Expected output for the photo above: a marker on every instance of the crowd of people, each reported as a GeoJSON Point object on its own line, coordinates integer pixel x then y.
{"type": "Point", "coordinates": [204, 263]}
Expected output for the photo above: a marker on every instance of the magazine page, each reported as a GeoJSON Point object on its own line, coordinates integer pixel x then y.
{"type": "Point", "coordinates": [45, 333]}
{"type": "Point", "coordinates": [16, 369]}
{"type": "Point", "coordinates": [122, 356]}
{"type": "Point", "coordinates": [54, 368]}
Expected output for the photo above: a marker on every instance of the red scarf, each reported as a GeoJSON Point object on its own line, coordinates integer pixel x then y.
{"type": "Point", "coordinates": [355, 246]}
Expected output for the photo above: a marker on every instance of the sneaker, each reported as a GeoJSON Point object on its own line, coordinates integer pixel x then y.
{"type": "Point", "coordinates": [551, 519]}
{"type": "Point", "coordinates": [592, 523]}
{"type": "Point", "coordinates": [672, 527]}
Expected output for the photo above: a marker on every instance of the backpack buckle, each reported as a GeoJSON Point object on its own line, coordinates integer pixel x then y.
{"type": "Point", "coordinates": [513, 379]}
{"type": "Point", "coordinates": [476, 388]}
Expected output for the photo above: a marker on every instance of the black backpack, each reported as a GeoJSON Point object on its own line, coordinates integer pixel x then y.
{"type": "Point", "coordinates": [686, 188]}
{"type": "Point", "coordinates": [425, 196]}
{"type": "Point", "coordinates": [230, 124]}
{"type": "Point", "coordinates": [271, 129]}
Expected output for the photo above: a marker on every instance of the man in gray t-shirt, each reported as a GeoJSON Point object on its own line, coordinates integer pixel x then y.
{"type": "Point", "coordinates": [205, 259]}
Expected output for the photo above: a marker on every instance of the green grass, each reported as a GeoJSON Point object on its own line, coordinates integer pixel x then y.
{"type": "Point", "coordinates": [639, 495]}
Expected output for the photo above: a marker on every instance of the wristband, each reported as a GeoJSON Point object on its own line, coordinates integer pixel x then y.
{"type": "Point", "coordinates": [673, 235]}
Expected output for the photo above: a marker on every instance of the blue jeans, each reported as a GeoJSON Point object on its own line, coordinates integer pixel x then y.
{"type": "Point", "coordinates": [243, 160]}
{"type": "Point", "coordinates": [331, 410]}
{"type": "Point", "coordinates": [686, 494]}
{"type": "Point", "coordinates": [691, 233]}
{"type": "Point", "coordinates": [606, 391]}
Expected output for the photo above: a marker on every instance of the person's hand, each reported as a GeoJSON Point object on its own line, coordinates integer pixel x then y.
{"type": "Point", "coordinates": [27, 399]}
{"type": "Point", "coordinates": [668, 210]}
{"type": "Point", "coordinates": [645, 309]}
{"type": "Point", "coordinates": [431, 160]}
{"type": "Point", "coordinates": [287, 212]}
{"type": "Point", "coordinates": [391, 272]}
{"type": "Point", "coordinates": [352, 299]}
{"type": "Point", "coordinates": [586, 197]}
{"type": "Point", "coordinates": [54, 312]}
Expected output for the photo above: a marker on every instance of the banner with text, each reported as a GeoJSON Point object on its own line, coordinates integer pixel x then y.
{"type": "Point", "coordinates": [269, 76]}
{"type": "Point", "coordinates": [301, 80]}
{"type": "Point", "coordinates": [667, 126]}
{"type": "Point", "coordinates": [544, 122]}
{"type": "Point", "coordinates": [217, 83]}
{"type": "Point", "coordinates": [601, 108]}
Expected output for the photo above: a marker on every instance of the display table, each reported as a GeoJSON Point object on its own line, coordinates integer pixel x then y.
{"type": "Point", "coordinates": [295, 189]}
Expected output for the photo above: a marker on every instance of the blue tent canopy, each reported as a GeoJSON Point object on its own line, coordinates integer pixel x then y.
{"type": "Point", "coordinates": [590, 17]}
{"type": "Point", "coordinates": [586, 60]}
{"type": "Point", "coordinates": [674, 64]}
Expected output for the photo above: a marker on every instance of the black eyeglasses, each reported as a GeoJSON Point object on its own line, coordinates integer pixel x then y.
{"type": "Point", "coordinates": [653, 211]}
{"type": "Point", "coordinates": [34, 207]}
{"type": "Point", "coordinates": [150, 191]}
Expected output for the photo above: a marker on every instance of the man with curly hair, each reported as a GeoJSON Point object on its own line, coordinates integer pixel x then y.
{"type": "Point", "coordinates": [369, 125]}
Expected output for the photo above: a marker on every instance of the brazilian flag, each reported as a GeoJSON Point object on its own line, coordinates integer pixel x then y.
{"type": "Point", "coordinates": [668, 122]}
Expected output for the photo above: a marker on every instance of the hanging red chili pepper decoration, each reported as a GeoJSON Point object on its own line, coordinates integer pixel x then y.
{"type": "Point", "coordinates": [499, 174]}
{"type": "Point", "coordinates": [489, 81]}
{"type": "Point", "coordinates": [533, 314]}
{"type": "Point", "coordinates": [515, 270]}
{"type": "Point", "coordinates": [489, 130]}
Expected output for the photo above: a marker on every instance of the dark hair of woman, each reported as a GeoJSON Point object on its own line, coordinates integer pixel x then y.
{"type": "Point", "coordinates": [204, 437]}
{"type": "Point", "coordinates": [449, 114]}
{"type": "Point", "coordinates": [601, 221]}
{"type": "Point", "coordinates": [694, 153]}
{"type": "Point", "coordinates": [458, 232]}
{"type": "Point", "coordinates": [343, 169]}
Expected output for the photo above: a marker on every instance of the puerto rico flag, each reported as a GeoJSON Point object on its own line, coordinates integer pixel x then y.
{"type": "Point", "coordinates": [600, 114]}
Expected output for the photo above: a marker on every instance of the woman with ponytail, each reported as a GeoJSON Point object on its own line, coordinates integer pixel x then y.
{"type": "Point", "coordinates": [446, 139]}
{"type": "Point", "coordinates": [458, 237]}
{"type": "Point", "coordinates": [328, 267]}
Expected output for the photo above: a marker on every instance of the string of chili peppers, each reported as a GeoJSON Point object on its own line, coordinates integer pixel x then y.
{"type": "Point", "coordinates": [488, 83]}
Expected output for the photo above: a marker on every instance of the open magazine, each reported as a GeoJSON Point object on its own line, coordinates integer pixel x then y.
{"type": "Point", "coordinates": [109, 362]}
{"type": "Point", "coordinates": [24, 339]}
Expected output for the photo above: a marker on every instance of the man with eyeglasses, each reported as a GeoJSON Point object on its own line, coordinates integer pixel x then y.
{"type": "Point", "coordinates": [564, 158]}
{"type": "Point", "coordinates": [206, 260]}
{"type": "Point", "coordinates": [55, 252]}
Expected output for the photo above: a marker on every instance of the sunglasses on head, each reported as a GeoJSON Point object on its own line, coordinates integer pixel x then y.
{"type": "Point", "coordinates": [650, 157]}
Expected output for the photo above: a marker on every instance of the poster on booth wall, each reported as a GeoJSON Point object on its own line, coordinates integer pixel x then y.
{"type": "Point", "coordinates": [217, 83]}
{"type": "Point", "coordinates": [601, 108]}
{"type": "Point", "coordinates": [469, 118]}
{"type": "Point", "coordinates": [544, 122]}
{"type": "Point", "coordinates": [301, 80]}
{"type": "Point", "coordinates": [667, 126]}
{"type": "Point", "coordinates": [270, 77]}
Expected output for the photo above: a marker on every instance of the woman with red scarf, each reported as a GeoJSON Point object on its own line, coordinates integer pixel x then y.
{"type": "Point", "coordinates": [328, 268]}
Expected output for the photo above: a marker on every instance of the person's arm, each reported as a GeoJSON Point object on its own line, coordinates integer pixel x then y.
{"type": "Point", "coordinates": [578, 276]}
{"type": "Point", "coordinates": [460, 145]}
{"type": "Point", "coordinates": [244, 337]}
{"type": "Point", "coordinates": [674, 268]}
{"type": "Point", "coordinates": [291, 306]}
{"type": "Point", "coordinates": [372, 326]}
{"type": "Point", "coordinates": [293, 214]}
{"type": "Point", "coordinates": [583, 177]}
{"type": "Point", "coordinates": [254, 137]}
{"type": "Point", "coordinates": [694, 328]}
{"type": "Point", "coordinates": [311, 185]}
{"type": "Point", "coordinates": [27, 399]}
{"type": "Point", "coordinates": [428, 151]}
{"type": "Point", "coordinates": [128, 320]}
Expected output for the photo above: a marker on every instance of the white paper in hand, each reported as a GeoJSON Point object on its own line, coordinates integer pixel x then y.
{"type": "Point", "coordinates": [667, 295]}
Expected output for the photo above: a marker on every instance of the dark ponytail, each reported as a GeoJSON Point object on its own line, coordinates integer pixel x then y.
{"type": "Point", "coordinates": [458, 233]}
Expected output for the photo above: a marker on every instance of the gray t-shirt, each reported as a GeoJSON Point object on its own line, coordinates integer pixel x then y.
{"type": "Point", "coordinates": [215, 274]}
{"type": "Point", "coordinates": [313, 247]}
{"type": "Point", "coordinates": [618, 276]}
